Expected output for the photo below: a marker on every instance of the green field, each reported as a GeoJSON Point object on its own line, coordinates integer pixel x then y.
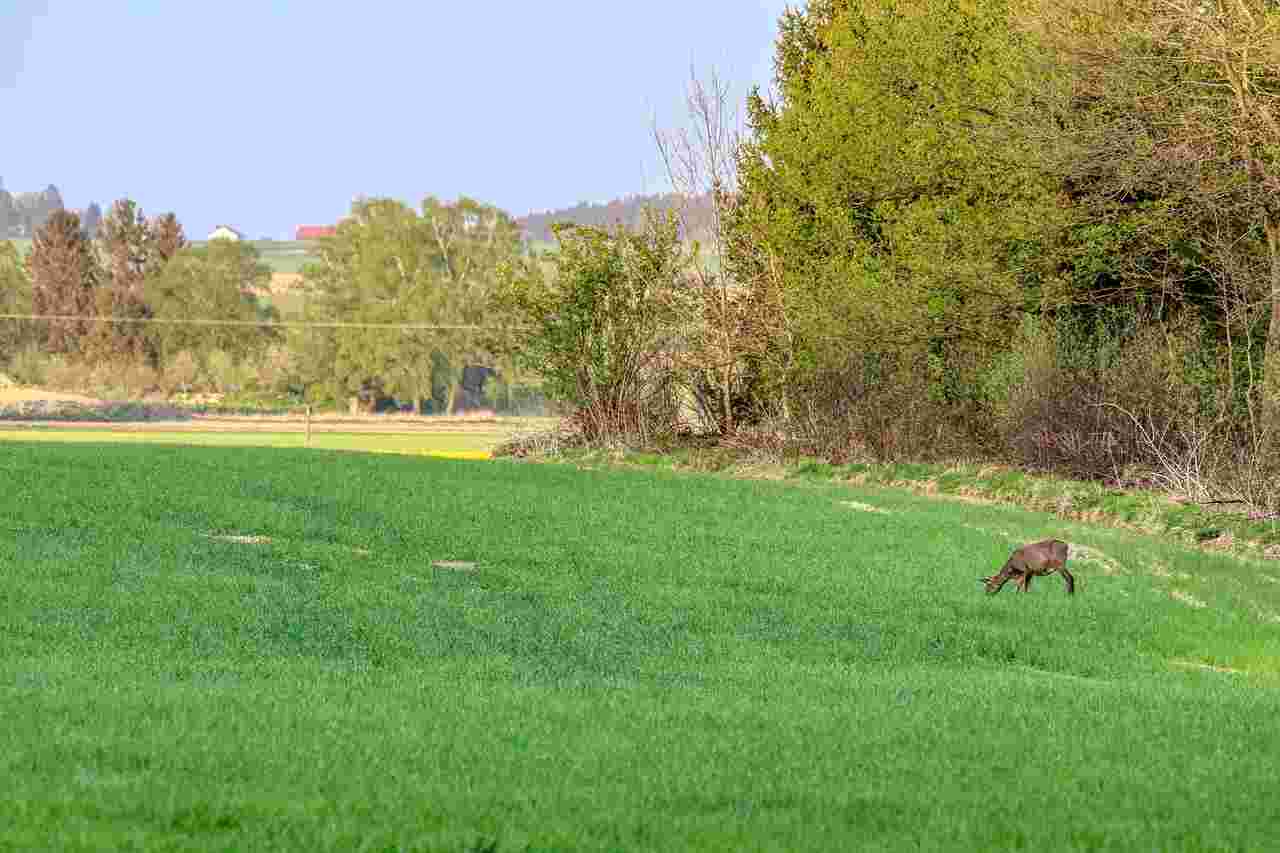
{"type": "Point", "coordinates": [242, 649]}
{"type": "Point", "coordinates": [281, 255]}
{"type": "Point", "coordinates": [287, 256]}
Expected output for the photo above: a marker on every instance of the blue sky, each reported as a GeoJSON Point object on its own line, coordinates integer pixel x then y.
{"type": "Point", "coordinates": [266, 114]}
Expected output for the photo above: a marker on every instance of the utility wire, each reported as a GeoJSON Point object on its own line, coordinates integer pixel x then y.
{"type": "Point", "coordinates": [283, 324]}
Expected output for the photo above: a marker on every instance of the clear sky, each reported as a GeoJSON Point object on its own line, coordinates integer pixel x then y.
{"type": "Point", "coordinates": [266, 114]}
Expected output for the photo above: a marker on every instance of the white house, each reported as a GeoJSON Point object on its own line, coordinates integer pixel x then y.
{"type": "Point", "coordinates": [225, 232]}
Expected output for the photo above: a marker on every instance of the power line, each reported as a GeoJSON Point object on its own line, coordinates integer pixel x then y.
{"type": "Point", "coordinates": [283, 324]}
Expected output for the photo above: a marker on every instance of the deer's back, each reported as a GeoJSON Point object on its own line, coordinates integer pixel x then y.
{"type": "Point", "coordinates": [1039, 556]}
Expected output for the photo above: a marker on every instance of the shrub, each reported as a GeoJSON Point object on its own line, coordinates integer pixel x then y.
{"type": "Point", "coordinates": [601, 331]}
{"type": "Point", "coordinates": [29, 366]}
{"type": "Point", "coordinates": [181, 374]}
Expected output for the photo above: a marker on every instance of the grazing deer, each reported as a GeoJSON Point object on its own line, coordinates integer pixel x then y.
{"type": "Point", "coordinates": [1030, 561]}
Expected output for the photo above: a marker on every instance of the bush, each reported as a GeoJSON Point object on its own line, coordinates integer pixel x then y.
{"type": "Point", "coordinates": [29, 366]}
{"type": "Point", "coordinates": [181, 374]}
{"type": "Point", "coordinates": [884, 407]}
{"type": "Point", "coordinates": [601, 331]}
{"type": "Point", "coordinates": [225, 374]}
{"type": "Point", "coordinates": [65, 375]}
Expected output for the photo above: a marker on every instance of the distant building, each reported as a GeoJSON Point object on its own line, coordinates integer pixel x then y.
{"type": "Point", "coordinates": [314, 232]}
{"type": "Point", "coordinates": [225, 232]}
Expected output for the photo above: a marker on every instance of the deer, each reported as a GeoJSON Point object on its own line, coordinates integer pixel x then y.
{"type": "Point", "coordinates": [1031, 561]}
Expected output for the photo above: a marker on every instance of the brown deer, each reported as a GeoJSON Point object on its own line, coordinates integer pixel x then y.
{"type": "Point", "coordinates": [1030, 561]}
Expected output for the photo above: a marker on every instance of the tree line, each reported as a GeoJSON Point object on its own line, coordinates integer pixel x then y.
{"type": "Point", "coordinates": [1042, 231]}
{"type": "Point", "coordinates": [1039, 231]}
{"type": "Point", "coordinates": [393, 306]}
{"type": "Point", "coordinates": [629, 211]}
{"type": "Point", "coordinates": [23, 213]}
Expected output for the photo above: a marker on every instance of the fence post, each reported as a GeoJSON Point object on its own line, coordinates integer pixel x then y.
{"type": "Point", "coordinates": [308, 425]}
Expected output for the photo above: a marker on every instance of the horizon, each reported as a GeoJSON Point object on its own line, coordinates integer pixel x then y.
{"type": "Point", "coordinates": [287, 137]}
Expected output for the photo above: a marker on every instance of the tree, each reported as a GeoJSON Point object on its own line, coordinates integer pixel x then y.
{"type": "Point", "coordinates": [603, 328]}
{"type": "Point", "coordinates": [64, 278]}
{"type": "Point", "coordinates": [889, 193]}
{"type": "Point", "coordinates": [472, 241]}
{"type": "Point", "coordinates": [1176, 111]}
{"type": "Point", "coordinates": [167, 237]}
{"type": "Point", "coordinates": [388, 265]}
{"type": "Point", "coordinates": [15, 298]}
{"type": "Point", "coordinates": [378, 269]}
{"type": "Point", "coordinates": [219, 282]}
{"type": "Point", "coordinates": [701, 162]}
{"type": "Point", "coordinates": [135, 249]}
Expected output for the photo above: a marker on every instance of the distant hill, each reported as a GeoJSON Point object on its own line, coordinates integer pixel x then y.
{"type": "Point", "coordinates": [627, 210]}
{"type": "Point", "coordinates": [22, 213]}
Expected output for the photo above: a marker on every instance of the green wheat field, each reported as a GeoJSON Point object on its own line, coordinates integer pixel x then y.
{"type": "Point", "coordinates": [255, 649]}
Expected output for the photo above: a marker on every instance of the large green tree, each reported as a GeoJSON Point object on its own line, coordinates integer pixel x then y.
{"type": "Point", "coordinates": [890, 192]}
{"type": "Point", "coordinates": [219, 282]}
{"type": "Point", "coordinates": [388, 265]}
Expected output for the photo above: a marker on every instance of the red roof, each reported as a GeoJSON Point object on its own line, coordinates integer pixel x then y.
{"type": "Point", "coordinates": [313, 232]}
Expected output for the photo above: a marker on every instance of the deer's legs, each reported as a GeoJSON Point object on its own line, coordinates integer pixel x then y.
{"type": "Point", "coordinates": [1071, 582]}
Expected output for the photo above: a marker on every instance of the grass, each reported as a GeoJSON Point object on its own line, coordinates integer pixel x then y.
{"type": "Point", "coordinates": [243, 649]}
{"type": "Point", "coordinates": [471, 444]}
{"type": "Point", "coordinates": [1138, 509]}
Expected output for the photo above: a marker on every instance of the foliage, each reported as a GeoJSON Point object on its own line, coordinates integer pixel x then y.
{"type": "Point", "coordinates": [15, 298]}
{"type": "Point", "coordinates": [127, 241]}
{"type": "Point", "coordinates": [603, 328]}
{"type": "Point", "coordinates": [894, 191]}
{"type": "Point", "coordinates": [388, 265]}
{"type": "Point", "coordinates": [1173, 123]}
{"type": "Point", "coordinates": [218, 282]}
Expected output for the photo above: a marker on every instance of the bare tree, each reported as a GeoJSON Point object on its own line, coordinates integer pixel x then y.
{"type": "Point", "coordinates": [701, 162]}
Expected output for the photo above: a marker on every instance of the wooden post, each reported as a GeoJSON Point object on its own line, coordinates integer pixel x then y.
{"type": "Point", "coordinates": [308, 425]}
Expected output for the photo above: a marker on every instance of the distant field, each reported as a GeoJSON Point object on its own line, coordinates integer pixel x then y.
{"type": "Point", "coordinates": [458, 445]}
{"type": "Point", "coordinates": [241, 649]}
{"type": "Point", "coordinates": [283, 256]}
{"type": "Point", "coordinates": [448, 437]}
{"type": "Point", "coordinates": [287, 256]}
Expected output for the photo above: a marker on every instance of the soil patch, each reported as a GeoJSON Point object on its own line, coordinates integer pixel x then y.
{"type": "Point", "coordinates": [861, 507]}
{"type": "Point", "coordinates": [240, 539]}
{"type": "Point", "coordinates": [454, 565]}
